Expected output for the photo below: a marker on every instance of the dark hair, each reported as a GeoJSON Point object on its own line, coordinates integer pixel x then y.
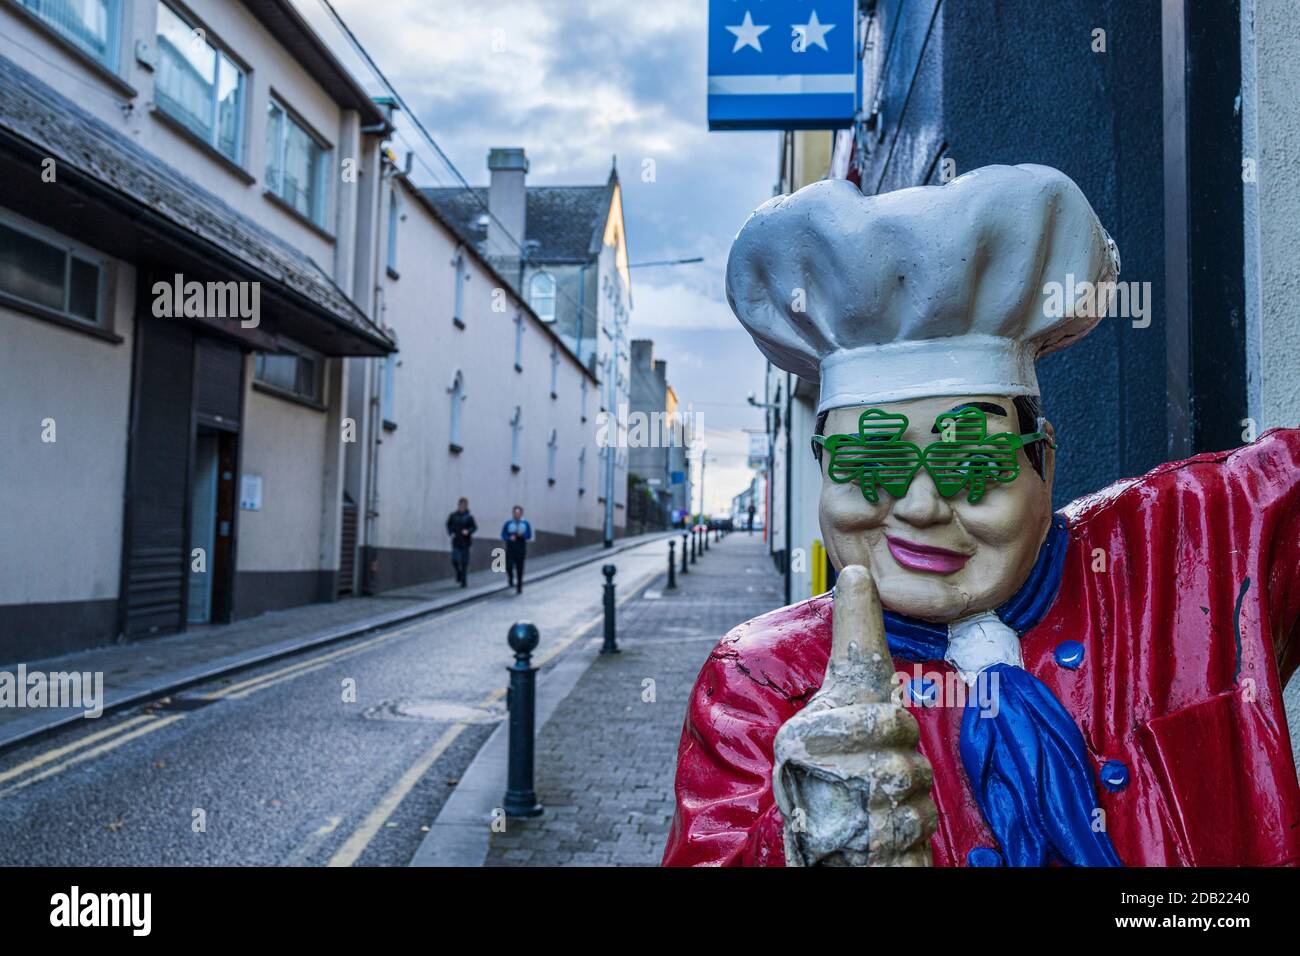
{"type": "Point", "coordinates": [1029, 409]}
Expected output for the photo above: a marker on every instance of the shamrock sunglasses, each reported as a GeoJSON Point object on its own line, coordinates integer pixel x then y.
{"type": "Point", "coordinates": [965, 456]}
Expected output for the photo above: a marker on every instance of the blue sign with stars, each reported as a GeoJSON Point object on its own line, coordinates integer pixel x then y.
{"type": "Point", "coordinates": [782, 64]}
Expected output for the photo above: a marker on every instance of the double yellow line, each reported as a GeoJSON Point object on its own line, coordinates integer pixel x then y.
{"type": "Point", "coordinates": [361, 837]}
{"type": "Point", "coordinates": [59, 759]}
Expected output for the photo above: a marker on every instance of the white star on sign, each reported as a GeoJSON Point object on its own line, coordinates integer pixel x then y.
{"type": "Point", "coordinates": [747, 34]}
{"type": "Point", "coordinates": [813, 32]}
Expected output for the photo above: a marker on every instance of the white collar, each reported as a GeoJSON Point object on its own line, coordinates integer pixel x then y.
{"type": "Point", "coordinates": [980, 641]}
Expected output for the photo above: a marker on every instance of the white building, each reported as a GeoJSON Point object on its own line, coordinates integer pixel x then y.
{"type": "Point", "coordinates": [218, 142]}
{"type": "Point", "coordinates": [207, 263]}
{"type": "Point", "coordinates": [565, 249]}
{"type": "Point", "coordinates": [483, 400]}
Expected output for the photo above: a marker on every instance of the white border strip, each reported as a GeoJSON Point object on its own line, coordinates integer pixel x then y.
{"type": "Point", "coordinates": [759, 85]}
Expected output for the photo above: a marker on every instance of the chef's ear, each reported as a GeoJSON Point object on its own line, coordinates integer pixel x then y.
{"type": "Point", "coordinates": [1049, 452]}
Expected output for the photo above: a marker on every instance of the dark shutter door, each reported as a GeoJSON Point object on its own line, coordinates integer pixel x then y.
{"type": "Point", "coordinates": [157, 513]}
{"type": "Point", "coordinates": [218, 373]}
{"type": "Point", "coordinates": [348, 547]}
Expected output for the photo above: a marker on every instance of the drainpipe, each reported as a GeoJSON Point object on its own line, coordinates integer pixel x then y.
{"type": "Point", "coordinates": [375, 370]}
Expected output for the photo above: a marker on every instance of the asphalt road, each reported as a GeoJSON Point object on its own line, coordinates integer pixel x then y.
{"type": "Point", "coordinates": [279, 765]}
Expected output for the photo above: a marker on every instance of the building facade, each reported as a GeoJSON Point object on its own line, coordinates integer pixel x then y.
{"type": "Point", "coordinates": [186, 194]}
{"type": "Point", "coordinates": [659, 438]}
{"type": "Point", "coordinates": [564, 250]}
{"type": "Point", "coordinates": [483, 400]}
{"type": "Point", "coordinates": [248, 364]}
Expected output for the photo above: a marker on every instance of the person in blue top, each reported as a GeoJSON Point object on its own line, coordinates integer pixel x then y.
{"type": "Point", "coordinates": [516, 533]}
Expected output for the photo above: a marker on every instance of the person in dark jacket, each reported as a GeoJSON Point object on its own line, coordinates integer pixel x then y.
{"type": "Point", "coordinates": [461, 526]}
{"type": "Point", "coordinates": [516, 533]}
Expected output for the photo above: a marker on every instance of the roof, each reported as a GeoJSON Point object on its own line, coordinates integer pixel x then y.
{"type": "Point", "coordinates": [566, 222]}
{"type": "Point", "coordinates": [165, 202]}
{"type": "Point", "coordinates": [283, 21]}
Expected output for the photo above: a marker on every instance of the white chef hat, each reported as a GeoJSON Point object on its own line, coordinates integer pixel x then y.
{"type": "Point", "coordinates": [935, 290]}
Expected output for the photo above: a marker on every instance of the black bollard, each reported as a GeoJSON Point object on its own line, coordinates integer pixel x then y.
{"type": "Point", "coordinates": [521, 799]}
{"type": "Point", "coordinates": [695, 541]}
{"type": "Point", "coordinates": [610, 646]}
{"type": "Point", "coordinates": [685, 568]}
{"type": "Point", "coordinates": [706, 537]}
{"type": "Point", "coordinates": [672, 565]}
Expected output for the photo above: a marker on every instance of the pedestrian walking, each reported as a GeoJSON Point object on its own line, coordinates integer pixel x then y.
{"type": "Point", "coordinates": [461, 527]}
{"type": "Point", "coordinates": [516, 533]}
{"type": "Point", "coordinates": [750, 512]}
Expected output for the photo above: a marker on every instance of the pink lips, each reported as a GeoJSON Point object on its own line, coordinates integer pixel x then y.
{"type": "Point", "coordinates": [924, 557]}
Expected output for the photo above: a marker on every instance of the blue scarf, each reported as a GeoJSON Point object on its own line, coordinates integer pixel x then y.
{"type": "Point", "coordinates": [1028, 766]}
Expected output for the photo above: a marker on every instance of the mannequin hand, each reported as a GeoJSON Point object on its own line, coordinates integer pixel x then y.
{"type": "Point", "coordinates": [848, 779]}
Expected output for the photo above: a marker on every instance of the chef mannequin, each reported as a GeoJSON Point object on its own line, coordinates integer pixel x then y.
{"type": "Point", "coordinates": [1133, 646]}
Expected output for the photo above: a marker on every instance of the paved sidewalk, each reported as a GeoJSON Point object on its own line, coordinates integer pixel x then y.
{"type": "Point", "coordinates": [149, 668]}
{"type": "Point", "coordinates": [605, 760]}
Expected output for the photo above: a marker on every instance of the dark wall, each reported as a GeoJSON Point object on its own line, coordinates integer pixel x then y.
{"type": "Point", "coordinates": [1016, 81]}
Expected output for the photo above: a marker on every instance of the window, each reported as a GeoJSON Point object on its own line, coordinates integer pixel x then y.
{"type": "Point", "coordinates": [390, 376]}
{"type": "Point", "coordinates": [459, 265]}
{"type": "Point", "coordinates": [516, 425]}
{"type": "Point", "coordinates": [541, 296]}
{"type": "Point", "coordinates": [53, 276]}
{"type": "Point", "coordinates": [519, 341]}
{"type": "Point", "coordinates": [295, 164]}
{"type": "Point", "coordinates": [90, 25]}
{"type": "Point", "coordinates": [392, 231]}
{"type": "Point", "coordinates": [457, 392]}
{"type": "Point", "coordinates": [552, 447]}
{"type": "Point", "coordinates": [199, 86]}
{"type": "Point", "coordinates": [297, 373]}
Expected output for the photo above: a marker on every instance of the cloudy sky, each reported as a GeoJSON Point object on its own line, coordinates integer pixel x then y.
{"type": "Point", "coordinates": [577, 83]}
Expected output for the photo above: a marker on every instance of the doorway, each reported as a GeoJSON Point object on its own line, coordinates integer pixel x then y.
{"type": "Point", "coordinates": [212, 515]}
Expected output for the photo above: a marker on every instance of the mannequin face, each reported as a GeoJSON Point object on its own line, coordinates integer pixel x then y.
{"type": "Point", "coordinates": [936, 558]}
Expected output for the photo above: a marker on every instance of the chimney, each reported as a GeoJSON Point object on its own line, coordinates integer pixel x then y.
{"type": "Point", "coordinates": [508, 204]}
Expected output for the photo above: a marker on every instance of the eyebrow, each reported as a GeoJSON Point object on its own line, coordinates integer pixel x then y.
{"type": "Point", "coordinates": [988, 407]}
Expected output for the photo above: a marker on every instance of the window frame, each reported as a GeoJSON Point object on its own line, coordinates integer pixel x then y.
{"type": "Point", "coordinates": [274, 186]}
{"type": "Point", "coordinates": [394, 208]}
{"type": "Point", "coordinates": [300, 352]}
{"type": "Point", "coordinates": [458, 298]}
{"type": "Point", "coordinates": [71, 249]}
{"type": "Point", "coordinates": [113, 48]}
{"type": "Point", "coordinates": [548, 317]}
{"type": "Point", "coordinates": [519, 341]}
{"type": "Point", "coordinates": [222, 53]}
{"type": "Point", "coordinates": [516, 426]}
{"type": "Point", "coordinates": [388, 394]}
{"type": "Point", "coordinates": [457, 392]}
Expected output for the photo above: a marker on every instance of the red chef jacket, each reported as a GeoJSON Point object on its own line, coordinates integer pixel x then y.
{"type": "Point", "coordinates": [1188, 636]}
